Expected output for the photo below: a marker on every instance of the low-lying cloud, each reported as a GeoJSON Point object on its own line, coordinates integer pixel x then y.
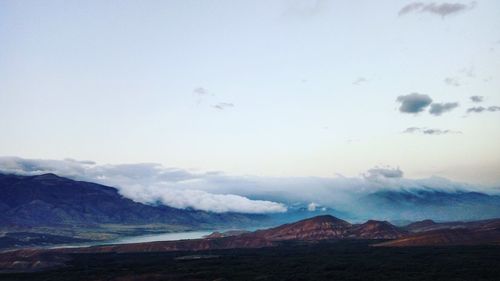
{"type": "Point", "coordinates": [385, 172]}
{"type": "Point", "coordinates": [148, 183]}
{"type": "Point", "coordinates": [439, 108]}
{"type": "Point", "coordinates": [443, 9]}
{"type": "Point", "coordinates": [413, 103]}
{"type": "Point", "coordinates": [218, 192]}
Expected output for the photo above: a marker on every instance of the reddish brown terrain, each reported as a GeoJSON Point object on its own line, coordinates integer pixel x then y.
{"type": "Point", "coordinates": [447, 234]}
{"type": "Point", "coordinates": [313, 229]}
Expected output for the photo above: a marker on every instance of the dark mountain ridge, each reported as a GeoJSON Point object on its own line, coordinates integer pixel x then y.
{"type": "Point", "coordinates": [50, 200]}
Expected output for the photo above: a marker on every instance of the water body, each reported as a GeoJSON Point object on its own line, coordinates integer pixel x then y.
{"type": "Point", "coordinates": [141, 239]}
{"type": "Point", "coordinates": [160, 237]}
{"type": "Point", "coordinates": [173, 236]}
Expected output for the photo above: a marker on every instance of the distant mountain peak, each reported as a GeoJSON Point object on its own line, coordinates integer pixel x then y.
{"type": "Point", "coordinates": [324, 219]}
{"type": "Point", "coordinates": [47, 176]}
{"type": "Point", "coordinates": [373, 229]}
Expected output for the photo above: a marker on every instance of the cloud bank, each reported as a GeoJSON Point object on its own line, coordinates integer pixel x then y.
{"type": "Point", "coordinates": [217, 192]}
{"type": "Point", "coordinates": [148, 183]}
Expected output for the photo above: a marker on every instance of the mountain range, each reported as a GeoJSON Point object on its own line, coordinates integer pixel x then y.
{"type": "Point", "coordinates": [428, 203]}
{"type": "Point", "coordinates": [48, 209]}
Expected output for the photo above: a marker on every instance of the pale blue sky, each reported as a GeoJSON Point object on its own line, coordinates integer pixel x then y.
{"type": "Point", "coordinates": [114, 82]}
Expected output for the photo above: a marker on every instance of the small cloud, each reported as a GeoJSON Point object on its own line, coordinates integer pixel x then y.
{"type": "Point", "coordinates": [83, 162]}
{"type": "Point", "coordinates": [359, 81]}
{"type": "Point", "coordinates": [469, 72]}
{"type": "Point", "coordinates": [384, 172]}
{"type": "Point", "coordinates": [426, 131]}
{"type": "Point", "coordinates": [477, 98]}
{"type": "Point", "coordinates": [439, 108]}
{"type": "Point", "coordinates": [223, 105]}
{"type": "Point", "coordinates": [411, 130]}
{"type": "Point", "coordinates": [479, 109]}
{"type": "Point", "coordinates": [200, 91]}
{"type": "Point", "coordinates": [450, 81]}
{"type": "Point", "coordinates": [443, 9]}
{"type": "Point", "coordinates": [312, 207]}
{"type": "Point", "coordinates": [413, 103]}
{"type": "Point", "coordinates": [476, 109]}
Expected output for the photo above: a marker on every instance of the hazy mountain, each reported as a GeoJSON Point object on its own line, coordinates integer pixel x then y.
{"type": "Point", "coordinates": [430, 204]}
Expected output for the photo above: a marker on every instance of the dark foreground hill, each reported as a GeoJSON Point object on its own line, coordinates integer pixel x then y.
{"type": "Point", "coordinates": [50, 200]}
{"type": "Point", "coordinates": [326, 260]}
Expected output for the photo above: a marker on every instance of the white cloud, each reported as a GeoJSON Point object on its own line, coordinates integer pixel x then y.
{"type": "Point", "coordinates": [215, 191]}
{"type": "Point", "coordinates": [312, 207]}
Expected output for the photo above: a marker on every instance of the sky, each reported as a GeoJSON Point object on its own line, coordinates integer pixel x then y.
{"type": "Point", "coordinates": [274, 89]}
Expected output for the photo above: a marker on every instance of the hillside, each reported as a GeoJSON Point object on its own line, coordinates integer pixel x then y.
{"type": "Point", "coordinates": [50, 200]}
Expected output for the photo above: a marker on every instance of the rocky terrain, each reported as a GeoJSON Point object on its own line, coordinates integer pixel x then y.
{"type": "Point", "coordinates": [310, 230]}
{"type": "Point", "coordinates": [445, 234]}
{"type": "Point", "coordinates": [313, 230]}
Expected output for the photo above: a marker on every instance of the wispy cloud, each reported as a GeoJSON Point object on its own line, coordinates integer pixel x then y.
{"type": "Point", "coordinates": [200, 91]}
{"type": "Point", "coordinates": [359, 81]}
{"type": "Point", "coordinates": [443, 9]}
{"type": "Point", "coordinates": [413, 103]}
{"type": "Point", "coordinates": [479, 109]}
{"type": "Point", "coordinates": [451, 81]}
{"type": "Point", "coordinates": [305, 9]}
{"type": "Point", "coordinates": [223, 105]}
{"type": "Point", "coordinates": [427, 131]}
{"type": "Point", "coordinates": [439, 108]}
